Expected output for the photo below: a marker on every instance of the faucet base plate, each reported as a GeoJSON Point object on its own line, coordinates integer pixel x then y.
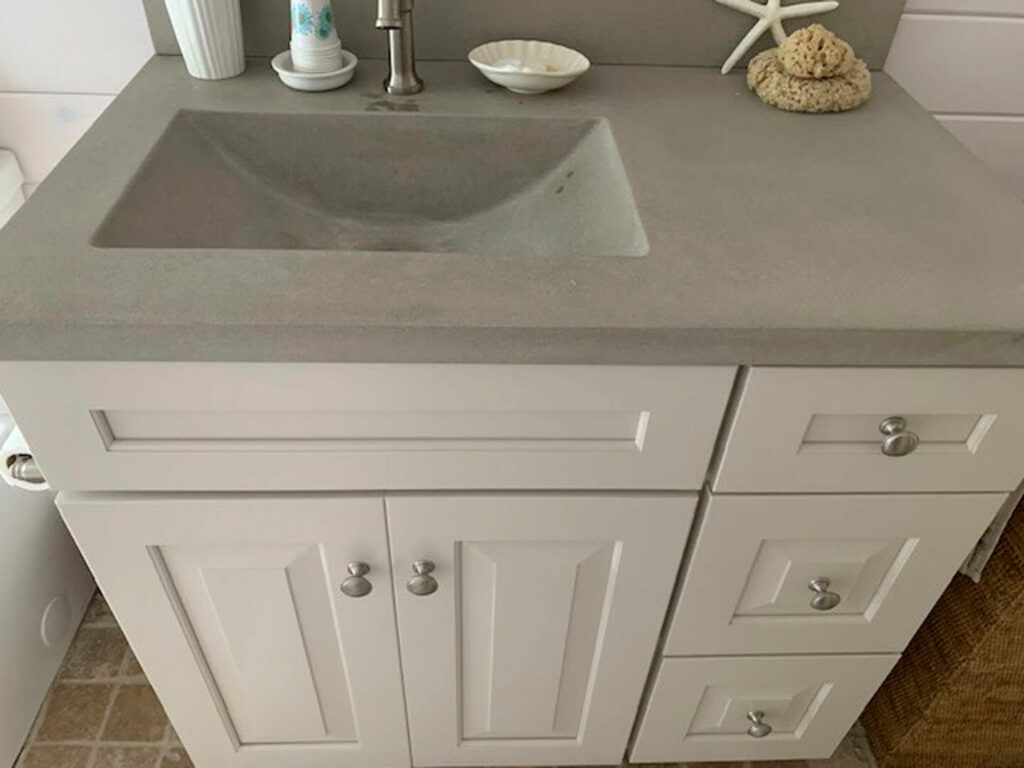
{"type": "Point", "coordinates": [404, 88]}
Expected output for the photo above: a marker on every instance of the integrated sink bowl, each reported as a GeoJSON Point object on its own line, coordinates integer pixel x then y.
{"type": "Point", "coordinates": [381, 182]}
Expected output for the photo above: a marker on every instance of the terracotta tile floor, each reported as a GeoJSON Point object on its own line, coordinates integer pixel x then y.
{"type": "Point", "coordinates": [101, 713]}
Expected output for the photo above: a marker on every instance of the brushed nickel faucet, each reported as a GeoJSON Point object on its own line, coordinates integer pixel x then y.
{"type": "Point", "coordinates": [395, 16]}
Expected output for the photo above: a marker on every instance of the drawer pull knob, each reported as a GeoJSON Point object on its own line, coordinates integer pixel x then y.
{"type": "Point", "coordinates": [758, 727]}
{"type": "Point", "coordinates": [422, 584]}
{"type": "Point", "coordinates": [824, 599]}
{"type": "Point", "coordinates": [356, 585]}
{"type": "Point", "coordinates": [898, 441]}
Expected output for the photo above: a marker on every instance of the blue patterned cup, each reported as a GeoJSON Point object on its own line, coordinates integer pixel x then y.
{"type": "Point", "coordinates": [315, 45]}
{"type": "Point", "coordinates": [313, 24]}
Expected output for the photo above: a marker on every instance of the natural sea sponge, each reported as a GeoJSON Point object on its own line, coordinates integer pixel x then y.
{"type": "Point", "coordinates": [816, 52]}
{"type": "Point", "coordinates": [767, 77]}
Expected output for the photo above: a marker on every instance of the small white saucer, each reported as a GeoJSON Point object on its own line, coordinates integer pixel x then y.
{"type": "Point", "coordinates": [529, 66]}
{"type": "Point", "coordinates": [314, 81]}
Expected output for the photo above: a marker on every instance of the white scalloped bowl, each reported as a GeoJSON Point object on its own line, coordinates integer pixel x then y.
{"type": "Point", "coordinates": [529, 66]}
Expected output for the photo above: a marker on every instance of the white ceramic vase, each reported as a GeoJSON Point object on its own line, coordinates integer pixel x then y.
{"type": "Point", "coordinates": [209, 34]}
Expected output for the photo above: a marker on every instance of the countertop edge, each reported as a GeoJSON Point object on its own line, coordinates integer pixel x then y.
{"type": "Point", "coordinates": [523, 346]}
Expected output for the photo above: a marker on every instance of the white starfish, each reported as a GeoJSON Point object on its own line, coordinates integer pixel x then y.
{"type": "Point", "coordinates": [770, 16]}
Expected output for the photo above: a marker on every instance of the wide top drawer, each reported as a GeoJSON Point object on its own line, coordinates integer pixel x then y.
{"type": "Point", "coordinates": [231, 426]}
{"type": "Point", "coordinates": [845, 429]}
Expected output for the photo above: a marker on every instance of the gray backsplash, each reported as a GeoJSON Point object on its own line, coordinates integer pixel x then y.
{"type": "Point", "coordinates": [665, 32]}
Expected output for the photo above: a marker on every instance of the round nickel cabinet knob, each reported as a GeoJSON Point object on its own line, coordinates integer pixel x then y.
{"type": "Point", "coordinates": [898, 440]}
{"type": "Point", "coordinates": [422, 584]}
{"type": "Point", "coordinates": [824, 599]}
{"type": "Point", "coordinates": [758, 727]}
{"type": "Point", "coordinates": [356, 585]}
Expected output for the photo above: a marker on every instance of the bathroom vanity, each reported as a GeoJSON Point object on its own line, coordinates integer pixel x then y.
{"type": "Point", "coordinates": [346, 564]}
{"type": "Point", "coordinates": [681, 490]}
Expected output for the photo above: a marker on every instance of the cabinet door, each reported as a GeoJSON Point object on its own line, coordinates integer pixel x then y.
{"type": "Point", "coordinates": [234, 608]}
{"type": "Point", "coordinates": [536, 644]}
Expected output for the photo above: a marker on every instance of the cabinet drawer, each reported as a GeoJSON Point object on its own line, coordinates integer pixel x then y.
{"type": "Point", "coordinates": [820, 430]}
{"type": "Point", "coordinates": [217, 427]}
{"type": "Point", "coordinates": [886, 559]}
{"type": "Point", "coordinates": [698, 708]}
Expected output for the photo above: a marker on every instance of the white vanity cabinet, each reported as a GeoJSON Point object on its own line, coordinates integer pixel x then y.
{"type": "Point", "coordinates": [323, 566]}
{"type": "Point", "coordinates": [267, 622]}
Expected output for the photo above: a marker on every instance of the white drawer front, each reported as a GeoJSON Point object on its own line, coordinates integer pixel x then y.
{"type": "Point", "coordinates": [698, 709]}
{"type": "Point", "coordinates": [886, 559]}
{"type": "Point", "coordinates": [819, 430]}
{"type": "Point", "coordinates": [213, 426]}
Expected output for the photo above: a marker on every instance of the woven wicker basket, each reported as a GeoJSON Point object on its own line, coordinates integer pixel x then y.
{"type": "Point", "coordinates": [956, 698]}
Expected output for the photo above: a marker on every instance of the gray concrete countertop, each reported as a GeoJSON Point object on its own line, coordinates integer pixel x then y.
{"type": "Point", "coordinates": [868, 238]}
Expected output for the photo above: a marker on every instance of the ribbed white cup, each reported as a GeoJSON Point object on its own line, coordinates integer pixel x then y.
{"type": "Point", "coordinates": [317, 59]}
{"type": "Point", "coordinates": [209, 34]}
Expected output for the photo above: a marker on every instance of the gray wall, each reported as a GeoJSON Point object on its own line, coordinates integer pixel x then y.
{"type": "Point", "coordinates": [667, 32]}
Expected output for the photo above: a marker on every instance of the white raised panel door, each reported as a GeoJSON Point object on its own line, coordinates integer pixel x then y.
{"type": "Point", "coordinates": [536, 645]}
{"type": "Point", "coordinates": [234, 608]}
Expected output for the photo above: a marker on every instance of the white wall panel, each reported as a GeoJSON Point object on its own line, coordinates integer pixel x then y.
{"type": "Point", "coordinates": [967, 7]}
{"type": "Point", "coordinates": [61, 62]}
{"type": "Point", "coordinates": [962, 59]}
{"type": "Point", "coordinates": [961, 64]}
{"type": "Point", "coordinates": [42, 127]}
{"type": "Point", "coordinates": [999, 141]}
{"type": "Point", "coordinates": [70, 45]}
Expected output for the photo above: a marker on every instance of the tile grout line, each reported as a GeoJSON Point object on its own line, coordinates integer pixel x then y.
{"type": "Point", "coordinates": [37, 724]}
{"type": "Point", "coordinates": [161, 748]}
{"type": "Point", "coordinates": [115, 689]}
{"type": "Point", "coordinates": [165, 746]}
{"type": "Point", "coordinates": [103, 743]}
{"type": "Point", "coordinates": [119, 680]}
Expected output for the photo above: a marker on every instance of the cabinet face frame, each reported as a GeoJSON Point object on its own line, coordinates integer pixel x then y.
{"type": "Point", "coordinates": [125, 537]}
{"type": "Point", "coordinates": [626, 548]}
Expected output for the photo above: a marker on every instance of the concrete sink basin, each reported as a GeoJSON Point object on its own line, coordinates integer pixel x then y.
{"type": "Point", "coordinates": [380, 182]}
